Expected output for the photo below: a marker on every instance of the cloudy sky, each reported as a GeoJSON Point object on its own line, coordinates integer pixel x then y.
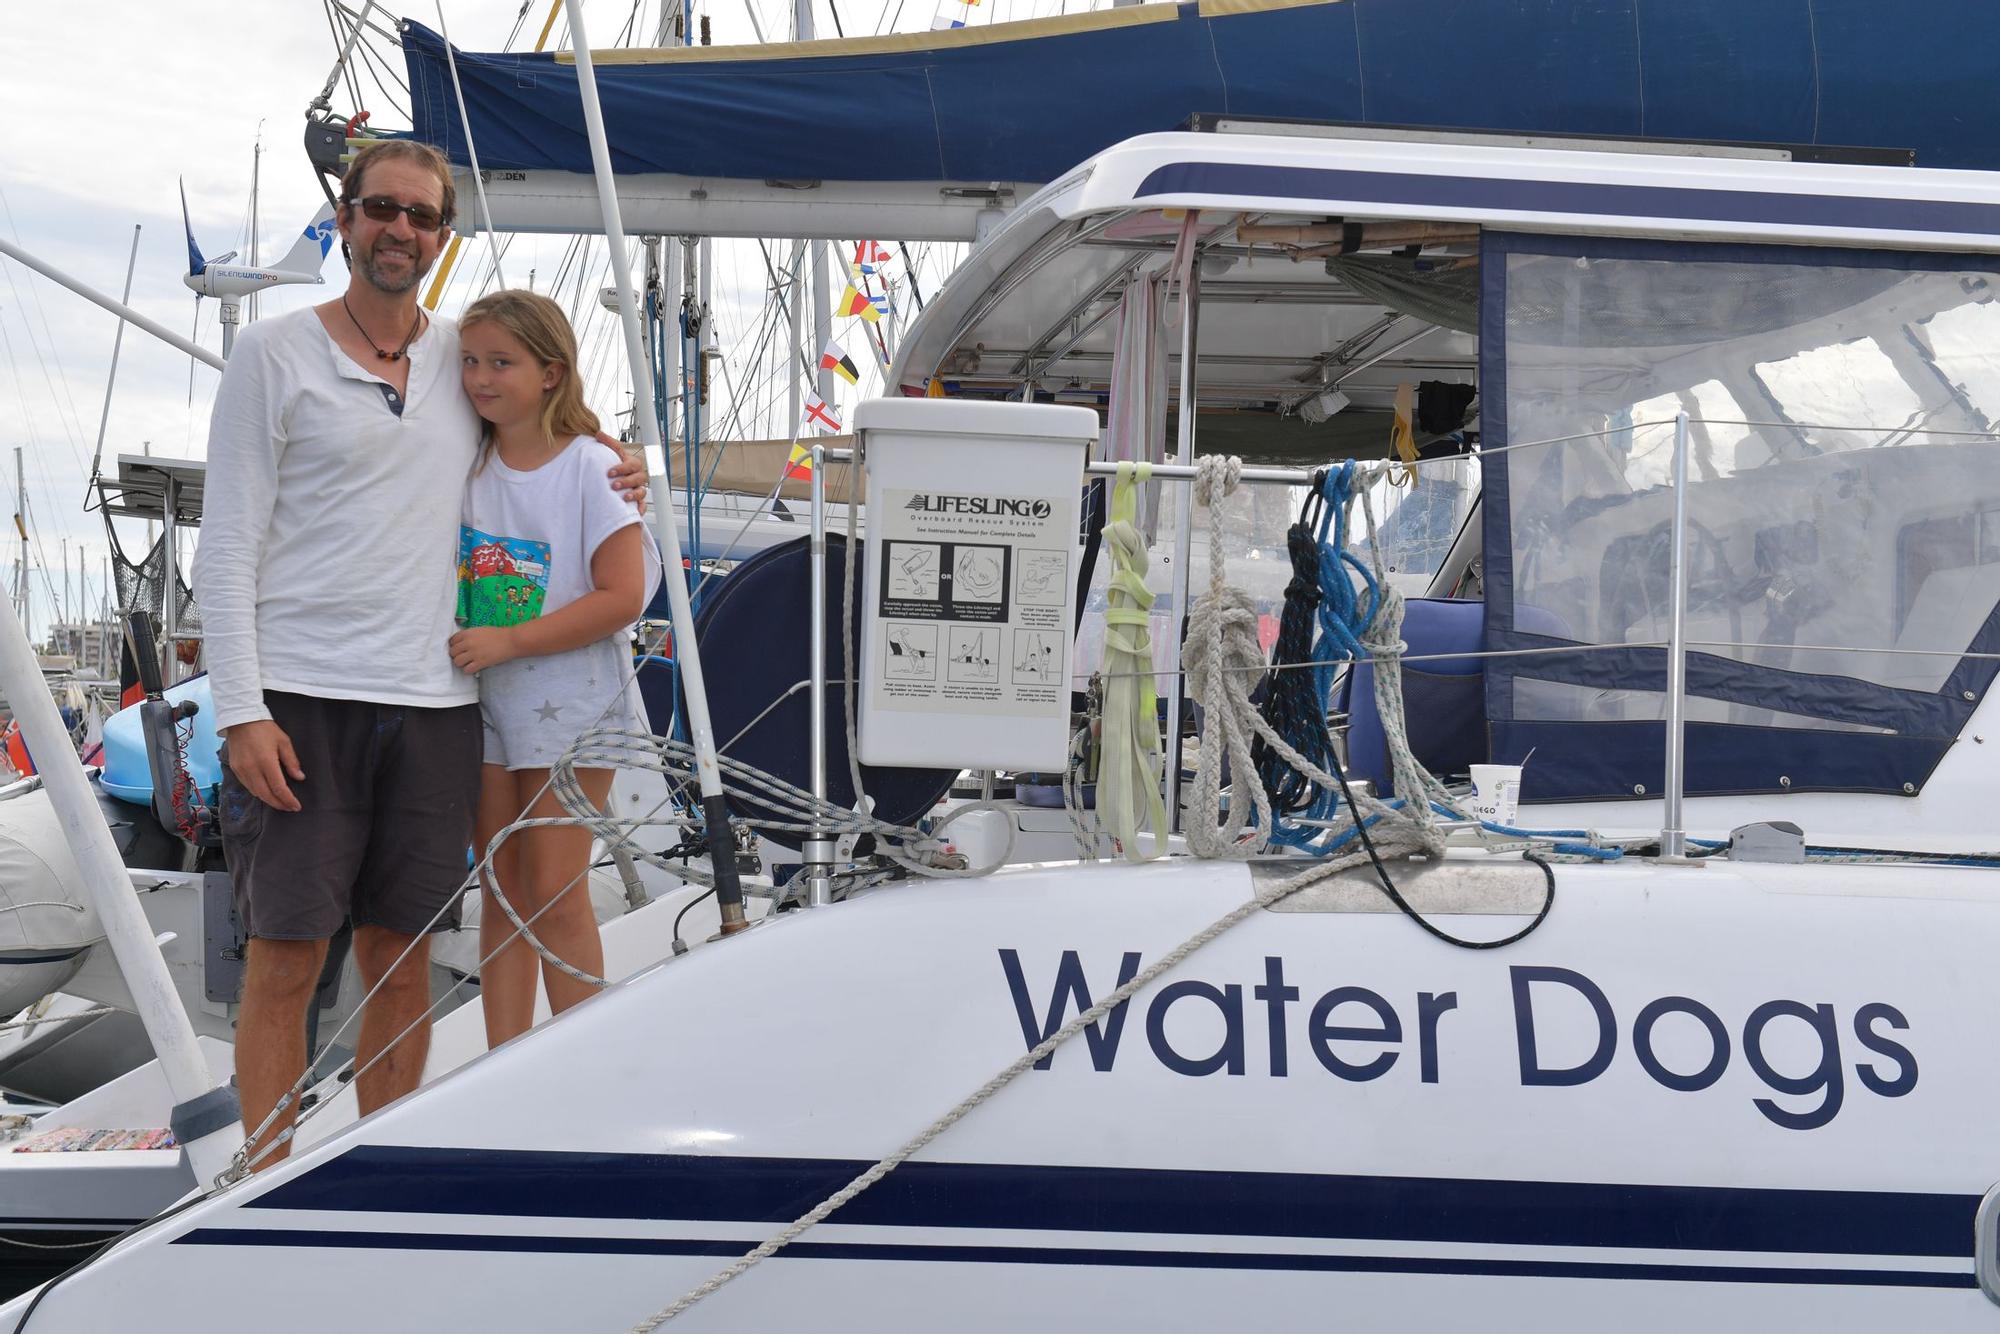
{"type": "Point", "coordinates": [110, 103]}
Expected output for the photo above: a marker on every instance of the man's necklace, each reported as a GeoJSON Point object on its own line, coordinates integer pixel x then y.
{"type": "Point", "coordinates": [380, 351]}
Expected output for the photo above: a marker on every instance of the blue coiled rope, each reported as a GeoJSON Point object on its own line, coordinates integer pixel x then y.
{"type": "Point", "coordinates": [1326, 614]}
{"type": "Point", "coordinates": [1322, 623]}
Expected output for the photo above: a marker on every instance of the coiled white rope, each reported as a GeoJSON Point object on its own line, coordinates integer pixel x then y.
{"type": "Point", "coordinates": [1221, 659]}
{"type": "Point", "coordinates": [1221, 656]}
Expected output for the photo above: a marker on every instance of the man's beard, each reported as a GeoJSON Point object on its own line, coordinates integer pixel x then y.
{"type": "Point", "coordinates": [392, 283]}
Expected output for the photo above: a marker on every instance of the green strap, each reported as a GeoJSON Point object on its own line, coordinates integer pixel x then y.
{"type": "Point", "coordinates": [1128, 787]}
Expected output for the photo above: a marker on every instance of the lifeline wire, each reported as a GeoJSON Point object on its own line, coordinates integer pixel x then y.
{"type": "Point", "coordinates": [244, 1159]}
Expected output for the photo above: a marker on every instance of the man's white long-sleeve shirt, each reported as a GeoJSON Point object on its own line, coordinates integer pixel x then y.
{"type": "Point", "coordinates": [330, 524]}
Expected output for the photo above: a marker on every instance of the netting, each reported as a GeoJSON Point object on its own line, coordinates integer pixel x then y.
{"type": "Point", "coordinates": [140, 586]}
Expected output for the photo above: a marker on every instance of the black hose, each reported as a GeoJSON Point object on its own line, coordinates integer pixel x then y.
{"type": "Point", "coordinates": [1395, 897]}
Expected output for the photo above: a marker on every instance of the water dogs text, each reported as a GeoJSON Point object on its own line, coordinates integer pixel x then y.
{"type": "Point", "coordinates": [1355, 1034]}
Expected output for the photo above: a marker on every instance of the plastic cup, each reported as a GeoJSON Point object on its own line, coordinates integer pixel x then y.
{"type": "Point", "coordinates": [1496, 792]}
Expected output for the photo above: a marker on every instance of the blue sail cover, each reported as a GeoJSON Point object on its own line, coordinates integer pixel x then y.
{"type": "Point", "coordinates": [1024, 102]}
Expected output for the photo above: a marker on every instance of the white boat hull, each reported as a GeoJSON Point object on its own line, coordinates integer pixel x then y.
{"type": "Point", "coordinates": [1237, 1156]}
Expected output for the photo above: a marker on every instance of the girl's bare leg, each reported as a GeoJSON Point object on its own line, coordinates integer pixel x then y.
{"type": "Point", "coordinates": [555, 862]}
{"type": "Point", "coordinates": [507, 980]}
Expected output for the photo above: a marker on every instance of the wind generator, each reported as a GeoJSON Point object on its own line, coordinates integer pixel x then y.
{"type": "Point", "coordinates": [230, 283]}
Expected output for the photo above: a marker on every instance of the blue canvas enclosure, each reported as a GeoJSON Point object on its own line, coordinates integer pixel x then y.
{"type": "Point", "coordinates": [1027, 101]}
{"type": "Point", "coordinates": [1843, 563]}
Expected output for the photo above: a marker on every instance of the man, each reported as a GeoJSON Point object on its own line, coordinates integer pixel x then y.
{"type": "Point", "coordinates": [338, 449]}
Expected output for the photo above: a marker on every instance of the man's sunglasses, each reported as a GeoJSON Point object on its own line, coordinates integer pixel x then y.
{"type": "Point", "coordinates": [380, 208]}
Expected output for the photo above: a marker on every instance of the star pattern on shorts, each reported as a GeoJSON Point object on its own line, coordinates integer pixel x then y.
{"type": "Point", "coordinates": [548, 712]}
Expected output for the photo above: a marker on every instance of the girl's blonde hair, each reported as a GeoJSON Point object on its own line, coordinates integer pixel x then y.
{"type": "Point", "coordinates": [543, 329]}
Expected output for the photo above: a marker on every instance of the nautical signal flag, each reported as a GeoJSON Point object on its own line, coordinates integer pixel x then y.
{"type": "Point", "coordinates": [870, 256]}
{"type": "Point", "coordinates": [854, 302]}
{"type": "Point", "coordinates": [800, 465]}
{"type": "Point", "coordinates": [819, 415]}
{"type": "Point", "coordinates": [834, 358]}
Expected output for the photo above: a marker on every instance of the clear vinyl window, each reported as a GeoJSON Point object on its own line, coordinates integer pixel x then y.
{"type": "Point", "coordinates": [1844, 497]}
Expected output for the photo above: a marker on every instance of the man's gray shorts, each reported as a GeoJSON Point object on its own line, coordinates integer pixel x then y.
{"type": "Point", "coordinates": [388, 801]}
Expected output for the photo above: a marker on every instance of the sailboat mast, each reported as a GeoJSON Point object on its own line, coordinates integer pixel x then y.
{"type": "Point", "coordinates": [256, 162]}
{"type": "Point", "coordinates": [680, 407]}
{"type": "Point", "coordinates": [795, 302]}
{"type": "Point", "coordinates": [670, 311]}
{"type": "Point", "coordinates": [687, 651]}
{"type": "Point", "coordinates": [117, 346]}
{"type": "Point", "coordinates": [802, 22]}
{"type": "Point", "coordinates": [704, 337]}
{"type": "Point", "coordinates": [822, 320]}
{"type": "Point", "coordinates": [21, 526]}
{"type": "Point", "coordinates": [668, 34]}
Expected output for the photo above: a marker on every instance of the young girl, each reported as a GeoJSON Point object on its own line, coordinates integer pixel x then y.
{"type": "Point", "coordinates": [553, 569]}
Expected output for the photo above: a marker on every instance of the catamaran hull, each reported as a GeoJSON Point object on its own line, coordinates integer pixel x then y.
{"type": "Point", "coordinates": [1754, 1096]}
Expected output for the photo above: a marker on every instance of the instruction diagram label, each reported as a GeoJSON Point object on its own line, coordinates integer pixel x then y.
{"type": "Point", "coordinates": [971, 602]}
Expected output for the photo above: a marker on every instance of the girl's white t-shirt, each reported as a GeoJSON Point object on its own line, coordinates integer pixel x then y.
{"type": "Point", "coordinates": [525, 545]}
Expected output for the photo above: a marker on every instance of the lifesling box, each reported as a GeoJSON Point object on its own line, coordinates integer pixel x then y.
{"type": "Point", "coordinates": [969, 583]}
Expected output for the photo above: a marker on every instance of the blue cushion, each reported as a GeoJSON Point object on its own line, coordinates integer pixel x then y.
{"type": "Point", "coordinates": [1444, 705]}
{"type": "Point", "coordinates": [657, 689]}
{"type": "Point", "coordinates": [754, 636]}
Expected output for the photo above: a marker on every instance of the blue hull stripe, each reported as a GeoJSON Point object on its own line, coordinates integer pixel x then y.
{"type": "Point", "coordinates": [535, 1184]}
{"type": "Point", "coordinates": [1051, 1255]}
{"type": "Point", "coordinates": [1572, 197]}
{"type": "Point", "coordinates": [26, 956]}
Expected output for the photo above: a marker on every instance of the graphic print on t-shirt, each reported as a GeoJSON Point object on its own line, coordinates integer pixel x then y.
{"type": "Point", "coordinates": [501, 580]}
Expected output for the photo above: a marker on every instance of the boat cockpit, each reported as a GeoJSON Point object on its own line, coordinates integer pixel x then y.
{"type": "Point", "coordinates": [1534, 333]}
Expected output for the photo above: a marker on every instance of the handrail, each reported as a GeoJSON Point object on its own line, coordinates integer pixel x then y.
{"type": "Point", "coordinates": [1673, 834]}
{"type": "Point", "coordinates": [1677, 645]}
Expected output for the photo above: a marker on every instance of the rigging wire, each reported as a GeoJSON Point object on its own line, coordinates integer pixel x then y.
{"type": "Point", "coordinates": [571, 262]}
{"type": "Point", "coordinates": [38, 564]}
{"type": "Point", "coordinates": [72, 430]}
{"type": "Point", "coordinates": [376, 68]}
{"type": "Point", "coordinates": [910, 271]}
{"type": "Point", "coordinates": [359, 17]}
{"type": "Point", "coordinates": [39, 547]}
{"type": "Point", "coordinates": [774, 310]}
{"type": "Point", "coordinates": [346, 67]}
{"type": "Point", "coordinates": [520, 21]}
